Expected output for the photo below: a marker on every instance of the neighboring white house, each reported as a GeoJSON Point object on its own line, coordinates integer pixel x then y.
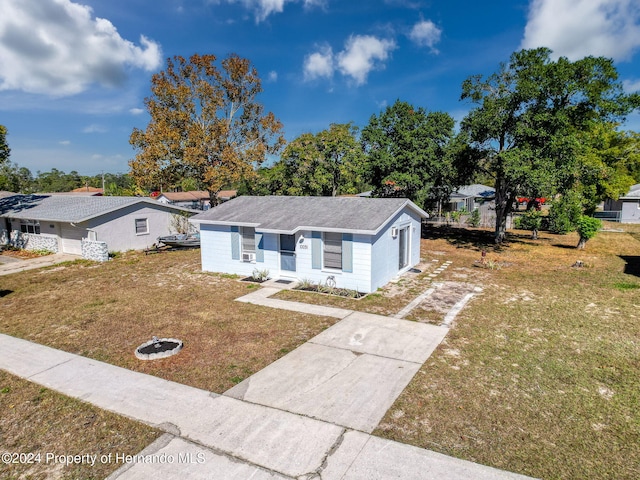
{"type": "Point", "coordinates": [361, 242]}
{"type": "Point", "coordinates": [196, 199]}
{"type": "Point", "coordinates": [84, 225]}
{"type": "Point", "coordinates": [627, 207]}
{"type": "Point", "coordinates": [470, 197]}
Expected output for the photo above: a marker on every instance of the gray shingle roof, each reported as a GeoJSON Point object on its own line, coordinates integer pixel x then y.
{"type": "Point", "coordinates": [634, 192]}
{"type": "Point", "coordinates": [281, 214]}
{"type": "Point", "coordinates": [476, 190]}
{"type": "Point", "coordinates": [68, 208]}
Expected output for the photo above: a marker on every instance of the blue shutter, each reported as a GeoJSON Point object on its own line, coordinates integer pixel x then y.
{"type": "Point", "coordinates": [259, 248]}
{"type": "Point", "coordinates": [235, 243]}
{"type": "Point", "coordinates": [347, 252]}
{"type": "Point", "coordinates": [316, 250]}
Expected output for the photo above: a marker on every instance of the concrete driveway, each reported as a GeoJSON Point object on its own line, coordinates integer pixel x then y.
{"type": "Point", "coordinates": [9, 265]}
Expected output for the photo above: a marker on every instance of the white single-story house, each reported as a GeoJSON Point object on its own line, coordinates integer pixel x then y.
{"type": "Point", "coordinates": [196, 199]}
{"type": "Point", "coordinates": [627, 207]}
{"type": "Point", "coordinates": [84, 225]}
{"type": "Point", "coordinates": [470, 197]}
{"type": "Point", "coordinates": [360, 243]}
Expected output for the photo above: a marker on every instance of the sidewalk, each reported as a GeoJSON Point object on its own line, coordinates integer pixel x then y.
{"type": "Point", "coordinates": [228, 438]}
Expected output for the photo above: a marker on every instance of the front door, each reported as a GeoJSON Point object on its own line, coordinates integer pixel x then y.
{"type": "Point", "coordinates": [288, 253]}
{"type": "Point", "coordinates": [403, 253]}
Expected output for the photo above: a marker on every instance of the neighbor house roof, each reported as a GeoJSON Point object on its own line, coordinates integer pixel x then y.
{"type": "Point", "coordinates": [192, 196]}
{"type": "Point", "coordinates": [633, 194]}
{"type": "Point", "coordinates": [476, 190]}
{"type": "Point", "coordinates": [88, 190]}
{"type": "Point", "coordinates": [281, 214]}
{"type": "Point", "coordinates": [195, 195]}
{"type": "Point", "coordinates": [68, 208]}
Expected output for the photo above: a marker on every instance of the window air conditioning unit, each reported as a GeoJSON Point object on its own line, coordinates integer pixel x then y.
{"type": "Point", "coordinates": [248, 257]}
{"type": "Point", "coordinates": [394, 232]}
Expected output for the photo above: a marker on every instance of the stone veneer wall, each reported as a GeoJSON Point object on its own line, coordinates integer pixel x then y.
{"type": "Point", "coordinates": [40, 242]}
{"type": "Point", "coordinates": [96, 251]}
{"type": "Point", "coordinates": [29, 241]}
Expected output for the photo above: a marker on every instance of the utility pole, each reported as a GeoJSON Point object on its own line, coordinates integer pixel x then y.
{"type": "Point", "coordinates": [103, 190]}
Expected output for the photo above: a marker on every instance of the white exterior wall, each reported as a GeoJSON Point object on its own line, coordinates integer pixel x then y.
{"type": "Point", "coordinates": [215, 248]}
{"type": "Point", "coordinates": [386, 250]}
{"type": "Point", "coordinates": [215, 251]}
{"type": "Point", "coordinates": [630, 211]}
{"type": "Point", "coordinates": [375, 260]}
{"type": "Point", "coordinates": [359, 279]}
{"type": "Point", "coordinates": [118, 229]}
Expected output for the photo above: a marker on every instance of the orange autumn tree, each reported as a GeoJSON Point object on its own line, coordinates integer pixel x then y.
{"type": "Point", "coordinates": [206, 124]}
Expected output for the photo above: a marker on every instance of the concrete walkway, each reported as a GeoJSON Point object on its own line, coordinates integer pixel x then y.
{"type": "Point", "coordinates": [348, 375]}
{"type": "Point", "coordinates": [216, 436]}
{"type": "Point", "coordinates": [9, 265]}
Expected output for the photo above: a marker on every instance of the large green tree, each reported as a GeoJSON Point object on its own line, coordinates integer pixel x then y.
{"type": "Point", "coordinates": [408, 153]}
{"type": "Point", "coordinates": [57, 181]}
{"type": "Point", "coordinates": [609, 163]}
{"type": "Point", "coordinates": [528, 119]}
{"type": "Point", "coordinates": [16, 179]}
{"type": "Point", "coordinates": [4, 146]}
{"type": "Point", "coordinates": [327, 163]}
{"type": "Point", "coordinates": [206, 124]}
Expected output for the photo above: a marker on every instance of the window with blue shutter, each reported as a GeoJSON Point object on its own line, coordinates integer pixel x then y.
{"type": "Point", "coordinates": [332, 252]}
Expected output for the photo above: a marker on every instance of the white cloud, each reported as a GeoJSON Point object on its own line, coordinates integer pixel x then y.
{"type": "Point", "coordinates": [319, 64]}
{"type": "Point", "coordinates": [362, 54]}
{"type": "Point", "coordinates": [136, 111]}
{"type": "Point", "coordinates": [94, 128]}
{"type": "Point", "coordinates": [577, 28]}
{"type": "Point", "coordinates": [425, 34]}
{"type": "Point", "coordinates": [263, 8]}
{"type": "Point", "coordinates": [315, 3]}
{"type": "Point", "coordinates": [57, 47]}
{"type": "Point", "coordinates": [65, 142]}
{"type": "Point", "coordinates": [272, 76]}
{"type": "Point", "coordinates": [631, 86]}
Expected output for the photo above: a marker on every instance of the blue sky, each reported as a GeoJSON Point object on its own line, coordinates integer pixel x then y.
{"type": "Point", "coordinates": [74, 75]}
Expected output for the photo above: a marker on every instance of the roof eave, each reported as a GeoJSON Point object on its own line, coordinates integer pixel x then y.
{"type": "Point", "coordinates": [224, 223]}
{"type": "Point", "coordinates": [141, 200]}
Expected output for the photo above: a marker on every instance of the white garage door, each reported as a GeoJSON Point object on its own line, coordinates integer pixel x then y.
{"type": "Point", "coordinates": [71, 239]}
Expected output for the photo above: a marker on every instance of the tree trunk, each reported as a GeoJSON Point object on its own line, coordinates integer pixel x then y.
{"type": "Point", "coordinates": [213, 199]}
{"type": "Point", "coordinates": [503, 208]}
{"type": "Point", "coordinates": [581, 243]}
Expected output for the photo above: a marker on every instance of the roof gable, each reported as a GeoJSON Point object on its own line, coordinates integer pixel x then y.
{"type": "Point", "coordinates": [282, 214]}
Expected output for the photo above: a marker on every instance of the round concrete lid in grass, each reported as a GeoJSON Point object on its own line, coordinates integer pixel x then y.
{"type": "Point", "coordinates": [158, 348]}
